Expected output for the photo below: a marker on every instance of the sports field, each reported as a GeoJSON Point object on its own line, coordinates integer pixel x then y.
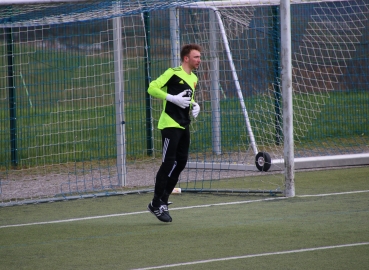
{"type": "Point", "coordinates": [326, 226]}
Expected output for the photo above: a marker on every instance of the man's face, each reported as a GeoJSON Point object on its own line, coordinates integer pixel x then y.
{"type": "Point", "coordinates": [193, 59]}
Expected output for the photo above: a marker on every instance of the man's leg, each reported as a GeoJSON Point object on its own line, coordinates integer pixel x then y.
{"type": "Point", "coordinates": [180, 163]}
{"type": "Point", "coordinates": [170, 140]}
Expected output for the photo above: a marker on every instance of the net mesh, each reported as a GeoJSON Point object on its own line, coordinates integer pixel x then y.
{"type": "Point", "coordinates": [59, 119]}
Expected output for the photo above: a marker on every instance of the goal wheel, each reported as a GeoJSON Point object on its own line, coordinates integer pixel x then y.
{"type": "Point", "coordinates": [263, 161]}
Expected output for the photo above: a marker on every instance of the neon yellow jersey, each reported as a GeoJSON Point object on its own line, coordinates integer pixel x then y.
{"type": "Point", "coordinates": [173, 81]}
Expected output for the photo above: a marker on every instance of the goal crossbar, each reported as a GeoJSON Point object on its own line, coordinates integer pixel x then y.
{"type": "Point", "coordinates": [229, 3]}
{"type": "Point", "coordinates": [243, 3]}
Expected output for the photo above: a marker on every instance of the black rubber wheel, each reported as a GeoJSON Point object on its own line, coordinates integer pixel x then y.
{"type": "Point", "coordinates": [263, 161]}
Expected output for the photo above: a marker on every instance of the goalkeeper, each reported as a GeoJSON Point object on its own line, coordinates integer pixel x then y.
{"type": "Point", "coordinates": [176, 87]}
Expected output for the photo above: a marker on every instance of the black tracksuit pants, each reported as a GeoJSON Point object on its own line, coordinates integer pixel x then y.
{"type": "Point", "coordinates": [176, 143]}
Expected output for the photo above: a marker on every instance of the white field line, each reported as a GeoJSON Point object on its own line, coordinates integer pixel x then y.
{"type": "Point", "coordinates": [254, 255]}
{"type": "Point", "coordinates": [134, 213]}
{"type": "Point", "coordinates": [332, 194]}
{"type": "Point", "coordinates": [174, 209]}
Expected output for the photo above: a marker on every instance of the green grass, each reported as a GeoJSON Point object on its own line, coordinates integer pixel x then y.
{"type": "Point", "coordinates": [222, 230]}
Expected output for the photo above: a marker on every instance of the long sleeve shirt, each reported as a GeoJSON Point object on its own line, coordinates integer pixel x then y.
{"type": "Point", "coordinates": [173, 81]}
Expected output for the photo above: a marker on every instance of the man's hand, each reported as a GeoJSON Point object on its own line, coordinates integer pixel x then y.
{"type": "Point", "coordinates": [195, 109]}
{"type": "Point", "coordinates": [179, 100]}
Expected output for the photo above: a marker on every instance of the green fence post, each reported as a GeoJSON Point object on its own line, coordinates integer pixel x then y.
{"type": "Point", "coordinates": [275, 49]}
{"type": "Point", "coordinates": [12, 99]}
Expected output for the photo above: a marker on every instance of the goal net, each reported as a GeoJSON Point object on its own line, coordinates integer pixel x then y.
{"type": "Point", "coordinates": [76, 120]}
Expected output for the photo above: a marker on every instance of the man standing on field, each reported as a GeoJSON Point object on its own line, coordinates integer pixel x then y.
{"type": "Point", "coordinates": [176, 87]}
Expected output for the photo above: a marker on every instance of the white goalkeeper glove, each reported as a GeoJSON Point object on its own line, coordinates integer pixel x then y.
{"type": "Point", "coordinates": [195, 109]}
{"type": "Point", "coordinates": [179, 99]}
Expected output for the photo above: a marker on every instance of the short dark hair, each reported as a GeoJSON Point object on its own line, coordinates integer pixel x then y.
{"type": "Point", "coordinates": [186, 49]}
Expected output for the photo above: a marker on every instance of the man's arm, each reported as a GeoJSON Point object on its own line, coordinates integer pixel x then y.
{"type": "Point", "coordinates": [155, 89]}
